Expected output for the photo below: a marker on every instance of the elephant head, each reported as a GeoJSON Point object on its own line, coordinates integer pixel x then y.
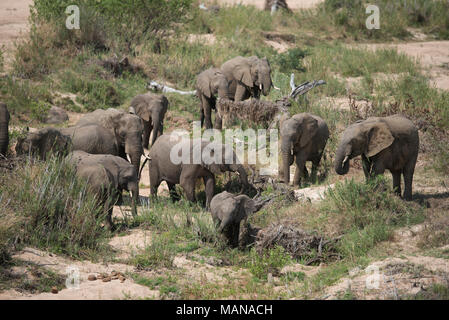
{"type": "Point", "coordinates": [367, 138]}
{"type": "Point", "coordinates": [296, 133]}
{"type": "Point", "coordinates": [227, 161]}
{"type": "Point", "coordinates": [128, 130]}
{"type": "Point", "coordinates": [44, 141]}
{"type": "Point", "coordinates": [213, 82]}
{"type": "Point", "coordinates": [151, 108]}
{"type": "Point", "coordinates": [128, 180]}
{"type": "Point", "coordinates": [252, 72]}
{"type": "Point", "coordinates": [4, 122]}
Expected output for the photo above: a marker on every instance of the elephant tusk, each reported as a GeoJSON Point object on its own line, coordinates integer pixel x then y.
{"type": "Point", "coordinates": [128, 157]}
{"type": "Point", "coordinates": [276, 88]}
{"type": "Point", "coordinates": [260, 87]}
{"type": "Point", "coordinates": [344, 160]}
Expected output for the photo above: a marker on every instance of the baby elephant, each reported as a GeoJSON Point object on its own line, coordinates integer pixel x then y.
{"type": "Point", "coordinates": [228, 210]}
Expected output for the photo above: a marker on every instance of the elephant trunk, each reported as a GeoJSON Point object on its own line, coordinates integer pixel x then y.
{"type": "Point", "coordinates": [4, 138]}
{"type": "Point", "coordinates": [242, 174]}
{"type": "Point", "coordinates": [135, 151]}
{"type": "Point", "coordinates": [266, 86]}
{"type": "Point", "coordinates": [286, 158]}
{"type": "Point", "coordinates": [341, 164]}
{"type": "Point", "coordinates": [133, 189]}
{"type": "Point", "coordinates": [157, 128]}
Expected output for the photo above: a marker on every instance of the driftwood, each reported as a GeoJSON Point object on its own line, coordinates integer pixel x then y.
{"type": "Point", "coordinates": [297, 242]}
{"type": "Point", "coordinates": [303, 88]}
{"type": "Point", "coordinates": [275, 5]}
{"type": "Point", "coordinates": [253, 110]}
{"type": "Point", "coordinates": [155, 86]}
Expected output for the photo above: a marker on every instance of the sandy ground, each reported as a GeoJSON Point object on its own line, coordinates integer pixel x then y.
{"type": "Point", "coordinates": [13, 23]}
{"type": "Point", "coordinates": [433, 56]}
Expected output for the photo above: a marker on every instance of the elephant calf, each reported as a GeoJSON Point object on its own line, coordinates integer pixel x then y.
{"type": "Point", "coordinates": [151, 108]}
{"type": "Point", "coordinates": [384, 143]}
{"type": "Point", "coordinates": [186, 173]}
{"type": "Point", "coordinates": [228, 210]}
{"type": "Point", "coordinates": [91, 139]}
{"type": "Point", "coordinates": [4, 135]}
{"type": "Point", "coordinates": [107, 177]}
{"type": "Point", "coordinates": [303, 138]}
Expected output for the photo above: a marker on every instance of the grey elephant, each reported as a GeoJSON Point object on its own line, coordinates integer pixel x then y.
{"type": "Point", "coordinates": [384, 143]}
{"type": "Point", "coordinates": [119, 175]}
{"type": "Point", "coordinates": [4, 135]}
{"type": "Point", "coordinates": [211, 84]}
{"type": "Point", "coordinates": [171, 160]}
{"type": "Point", "coordinates": [126, 128]}
{"type": "Point", "coordinates": [91, 139]}
{"type": "Point", "coordinates": [247, 77]}
{"type": "Point", "coordinates": [151, 108]}
{"type": "Point", "coordinates": [303, 138]}
{"type": "Point", "coordinates": [228, 210]}
{"type": "Point", "coordinates": [43, 142]}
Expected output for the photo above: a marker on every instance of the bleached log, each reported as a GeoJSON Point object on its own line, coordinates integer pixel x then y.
{"type": "Point", "coordinates": [154, 86]}
{"type": "Point", "coordinates": [303, 88]}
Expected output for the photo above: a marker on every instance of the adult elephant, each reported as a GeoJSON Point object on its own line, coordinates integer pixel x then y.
{"type": "Point", "coordinates": [228, 210]}
{"type": "Point", "coordinates": [151, 108]}
{"type": "Point", "coordinates": [118, 175]}
{"type": "Point", "coordinates": [384, 143]}
{"type": "Point", "coordinates": [211, 84]}
{"type": "Point", "coordinates": [126, 128]}
{"type": "Point", "coordinates": [247, 77]}
{"type": "Point", "coordinates": [303, 138]}
{"type": "Point", "coordinates": [178, 160]}
{"type": "Point", "coordinates": [4, 135]}
{"type": "Point", "coordinates": [91, 139]}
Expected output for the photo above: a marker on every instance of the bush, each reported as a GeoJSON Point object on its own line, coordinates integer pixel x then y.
{"type": "Point", "coordinates": [291, 60]}
{"type": "Point", "coordinates": [55, 211]}
{"type": "Point", "coordinates": [270, 261]}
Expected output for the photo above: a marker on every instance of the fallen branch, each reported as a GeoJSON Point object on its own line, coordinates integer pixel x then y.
{"type": "Point", "coordinates": [154, 86]}
{"type": "Point", "coordinates": [303, 88]}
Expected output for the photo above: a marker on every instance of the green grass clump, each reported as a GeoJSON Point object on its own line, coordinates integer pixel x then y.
{"type": "Point", "coordinates": [366, 214]}
{"type": "Point", "coordinates": [54, 209]}
{"type": "Point", "coordinates": [270, 261]}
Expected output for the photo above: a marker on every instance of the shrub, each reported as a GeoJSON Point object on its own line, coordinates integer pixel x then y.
{"type": "Point", "coordinates": [57, 212]}
{"type": "Point", "coordinates": [291, 60]}
{"type": "Point", "coordinates": [270, 261]}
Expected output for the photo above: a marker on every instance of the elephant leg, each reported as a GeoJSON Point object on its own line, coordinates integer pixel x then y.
{"type": "Point", "coordinates": [408, 172]}
{"type": "Point", "coordinates": [209, 187]}
{"type": "Point", "coordinates": [146, 133]}
{"type": "Point", "coordinates": [173, 194]}
{"type": "Point", "coordinates": [207, 112]}
{"type": "Point", "coordinates": [306, 173]}
{"type": "Point", "coordinates": [154, 181]}
{"type": "Point", "coordinates": [235, 229]}
{"type": "Point", "coordinates": [110, 225]}
{"type": "Point", "coordinates": [300, 164]}
{"type": "Point", "coordinates": [396, 182]}
{"type": "Point", "coordinates": [218, 122]}
{"type": "Point", "coordinates": [187, 182]}
{"type": "Point", "coordinates": [240, 93]}
{"type": "Point", "coordinates": [366, 164]}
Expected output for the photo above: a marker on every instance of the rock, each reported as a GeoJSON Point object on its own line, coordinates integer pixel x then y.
{"type": "Point", "coordinates": [107, 279]}
{"type": "Point", "coordinates": [56, 115]}
{"type": "Point", "coordinates": [91, 277]}
{"type": "Point", "coordinates": [54, 290]}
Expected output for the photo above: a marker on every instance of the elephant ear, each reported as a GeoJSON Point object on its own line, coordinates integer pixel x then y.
{"type": "Point", "coordinates": [141, 108]}
{"type": "Point", "coordinates": [203, 84]}
{"type": "Point", "coordinates": [242, 72]}
{"type": "Point", "coordinates": [379, 138]}
{"type": "Point", "coordinates": [309, 130]}
{"type": "Point", "coordinates": [248, 204]}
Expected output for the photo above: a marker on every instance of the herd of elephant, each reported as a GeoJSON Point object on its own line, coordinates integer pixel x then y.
{"type": "Point", "coordinates": [106, 146]}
